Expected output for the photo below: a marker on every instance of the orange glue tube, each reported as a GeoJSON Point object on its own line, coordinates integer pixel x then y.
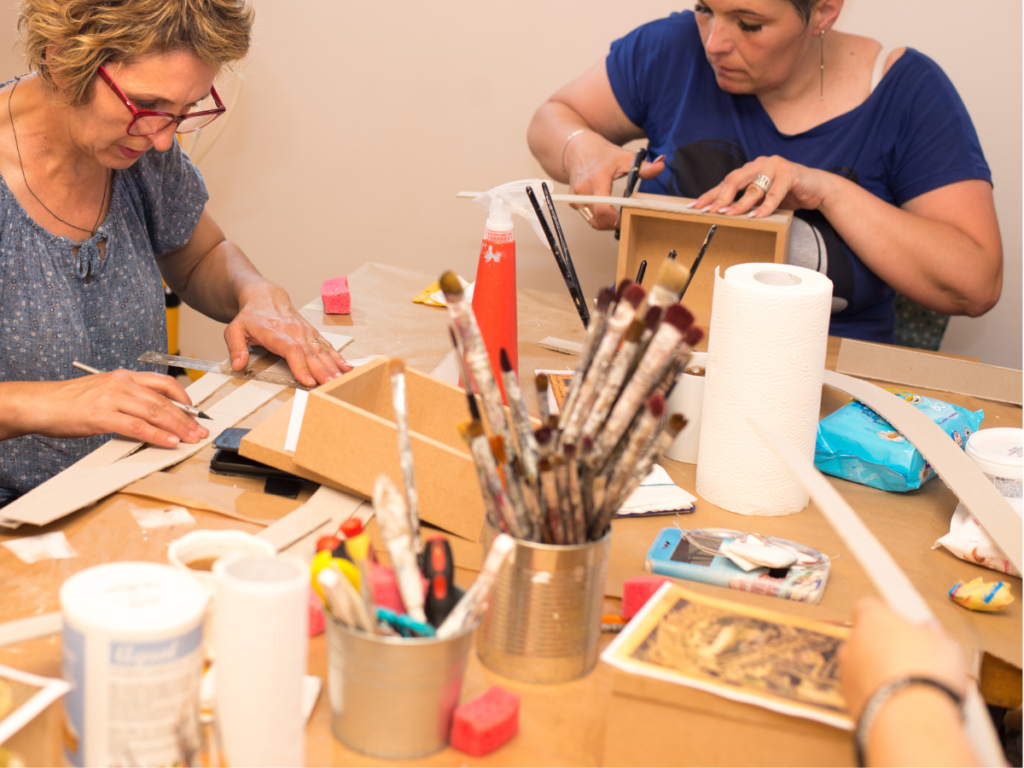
{"type": "Point", "coordinates": [494, 295]}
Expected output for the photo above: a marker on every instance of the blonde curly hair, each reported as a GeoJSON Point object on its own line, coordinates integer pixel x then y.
{"type": "Point", "coordinates": [83, 34]}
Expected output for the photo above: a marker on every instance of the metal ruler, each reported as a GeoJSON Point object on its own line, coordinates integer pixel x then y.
{"type": "Point", "coordinates": [211, 366]}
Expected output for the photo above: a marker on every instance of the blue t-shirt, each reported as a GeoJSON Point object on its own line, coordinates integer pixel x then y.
{"type": "Point", "coordinates": [912, 135]}
{"type": "Point", "coordinates": [56, 308]}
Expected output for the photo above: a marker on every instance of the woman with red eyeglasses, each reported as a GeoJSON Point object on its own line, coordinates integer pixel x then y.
{"type": "Point", "coordinates": [97, 203]}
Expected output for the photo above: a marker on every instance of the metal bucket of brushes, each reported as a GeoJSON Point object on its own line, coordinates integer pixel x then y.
{"type": "Point", "coordinates": [393, 697]}
{"type": "Point", "coordinates": [544, 620]}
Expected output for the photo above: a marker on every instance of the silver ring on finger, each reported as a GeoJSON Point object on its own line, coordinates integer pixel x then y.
{"type": "Point", "coordinates": [586, 213]}
{"type": "Point", "coordinates": [763, 182]}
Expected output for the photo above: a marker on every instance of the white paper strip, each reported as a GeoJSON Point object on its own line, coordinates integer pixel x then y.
{"type": "Point", "coordinates": [889, 579]}
{"type": "Point", "coordinates": [46, 546]}
{"type": "Point", "coordinates": [23, 630]}
{"type": "Point", "coordinates": [955, 467]}
{"type": "Point", "coordinates": [51, 689]}
{"type": "Point", "coordinates": [291, 440]}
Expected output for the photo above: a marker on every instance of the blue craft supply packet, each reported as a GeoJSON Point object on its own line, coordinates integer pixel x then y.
{"type": "Point", "coordinates": [857, 444]}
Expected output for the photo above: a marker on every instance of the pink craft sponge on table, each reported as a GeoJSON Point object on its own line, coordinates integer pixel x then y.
{"type": "Point", "coordinates": [337, 299]}
{"type": "Point", "coordinates": [484, 724]}
{"type": "Point", "coordinates": [636, 591]}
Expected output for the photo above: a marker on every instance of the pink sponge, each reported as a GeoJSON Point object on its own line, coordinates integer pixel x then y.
{"type": "Point", "coordinates": [317, 622]}
{"type": "Point", "coordinates": [337, 299]}
{"type": "Point", "coordinates": [637, 591]}
{"type": "Point", "coordinates": [487, 722]}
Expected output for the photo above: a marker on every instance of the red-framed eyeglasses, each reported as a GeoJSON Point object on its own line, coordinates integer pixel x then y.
{"type": "Point", "coordinates": [146, 123]}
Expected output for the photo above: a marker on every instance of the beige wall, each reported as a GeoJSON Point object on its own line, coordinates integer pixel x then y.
{"type": "Point", "coordinates": [359, 122]}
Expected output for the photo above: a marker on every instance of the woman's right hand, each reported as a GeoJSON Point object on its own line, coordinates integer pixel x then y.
{"type": "Point", "coordinates": [593, 164]}
{"type": "Point", "coordinates": [134, 404]}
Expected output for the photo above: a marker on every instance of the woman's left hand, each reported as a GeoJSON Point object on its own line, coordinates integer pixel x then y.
{"type": "Point", "coordinates": [269, 319]}
{"type": "Point", "coordinates": [793, 186]}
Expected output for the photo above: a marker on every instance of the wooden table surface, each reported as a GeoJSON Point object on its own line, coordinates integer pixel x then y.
{"type": "Point", "coordinates": [565, 724]}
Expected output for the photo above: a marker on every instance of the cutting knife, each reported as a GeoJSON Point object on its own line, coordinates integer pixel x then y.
{"type": "Point", "coordinates": [211, 366]}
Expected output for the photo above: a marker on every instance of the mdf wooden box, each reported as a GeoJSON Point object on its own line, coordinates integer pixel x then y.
{"type": "Point", "coordinates": [349, 437]}
{"type": "Point", "coordinates": [648, 234]}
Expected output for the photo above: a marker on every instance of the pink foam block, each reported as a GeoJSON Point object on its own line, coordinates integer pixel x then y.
{"type": "Point", "coordinates": [636, 591]}
{"type": "Point", "coordinates": [337, 299]}
{"type": "Point", "coordinates": [384, 587]}
{"type": "Point", "coordinates": [487, 722]}
{"type": "Point", "coordinates": [317, 622]}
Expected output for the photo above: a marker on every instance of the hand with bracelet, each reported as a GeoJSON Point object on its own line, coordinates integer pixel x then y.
{"type": "Point", "coordinates": [900, 681]}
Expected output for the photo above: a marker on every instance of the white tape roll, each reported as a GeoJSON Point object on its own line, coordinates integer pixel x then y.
{"type": "Point", "coordinates": [766, 354]}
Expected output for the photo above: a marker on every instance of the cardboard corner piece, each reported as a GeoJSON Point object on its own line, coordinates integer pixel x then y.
{"type": "Point", "coordinates": [955, 467]}
{"type": "Point", "coordinates": [349, 437]}
{"type": "Point", "coordinates": [909, 368]}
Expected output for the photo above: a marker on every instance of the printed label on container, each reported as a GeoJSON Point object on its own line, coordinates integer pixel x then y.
{"type": "Point", "coordinates": [153, 694]}
{"type": "Point", "coordinates": [73, 725]}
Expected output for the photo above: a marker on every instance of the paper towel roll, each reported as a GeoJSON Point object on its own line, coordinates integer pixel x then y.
{"type": "Point", "coordinates": [766, 354]}
{"type": "Point", "coordinates": [260, 638]}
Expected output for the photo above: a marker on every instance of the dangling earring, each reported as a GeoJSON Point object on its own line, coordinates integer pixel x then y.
{"type": "Point", "coordinates": [822, 97]}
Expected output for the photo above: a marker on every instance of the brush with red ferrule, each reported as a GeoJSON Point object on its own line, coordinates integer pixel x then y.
{"type": "Point", "coordinates": [634, 295]}
{"type": "Point", "coordinates": [620, 289]}
{"type": "Point", "coordinates": [694, 335]}
{"type": "Point", "coordinates": [679, 316]}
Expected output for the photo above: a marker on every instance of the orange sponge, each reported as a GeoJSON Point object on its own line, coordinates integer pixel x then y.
{"type": "Point", "coordinates": [487, 722]}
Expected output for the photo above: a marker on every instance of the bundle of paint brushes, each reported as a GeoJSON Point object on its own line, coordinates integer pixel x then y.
{"type": "Point", "coordinates": [354, 596]}
{"type": "Point", "coordinates": [563, 482]}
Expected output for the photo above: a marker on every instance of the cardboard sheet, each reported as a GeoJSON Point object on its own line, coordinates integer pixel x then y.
{"type": "Point", "coordinates": [325, 506]}
{"type": "Point", "coordinates": [909, 368]}
{"type": "Point", "coordinates": [49, 502]}
{"type": "Point", "coordinates": [956, 469]}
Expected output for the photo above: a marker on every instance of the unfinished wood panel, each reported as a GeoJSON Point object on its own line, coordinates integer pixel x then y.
{"type": "Point", "coordinates": [651, 235]}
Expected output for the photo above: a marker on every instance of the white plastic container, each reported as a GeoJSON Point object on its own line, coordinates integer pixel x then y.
{"type": "Point", "coordinates": [132, 651]}
{"type": "Point", "coordinates": [999, 453]}
{"type": "Point", "coordinates": [688, 399]}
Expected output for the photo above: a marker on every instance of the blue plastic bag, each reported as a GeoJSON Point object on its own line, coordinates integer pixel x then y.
{"type": "Point", "coordinates": [857, 444]}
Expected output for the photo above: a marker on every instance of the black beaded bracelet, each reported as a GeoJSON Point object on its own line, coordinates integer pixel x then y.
{"type": "Point", "coordinates": [883, 694]}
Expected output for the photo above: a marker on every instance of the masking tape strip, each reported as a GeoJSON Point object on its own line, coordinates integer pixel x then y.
{"type": "Point", "coordinates": [889, 579]}
{"type": "Point", "coordinates": [23, 630]}
{"type": "Point", "coordinates": [954, 466]}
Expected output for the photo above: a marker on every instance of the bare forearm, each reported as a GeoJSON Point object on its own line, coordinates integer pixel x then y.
{"type": "Point", "coordinates": [919, 726]}
{"type": "Point", "coordinates": [16, 416]}
{"type": "Point", "coordinates": [552, 124]}
{"type": "Point", "coordinates": [220, 282]}
{"type": "Point", "coordinates": [932, 262]}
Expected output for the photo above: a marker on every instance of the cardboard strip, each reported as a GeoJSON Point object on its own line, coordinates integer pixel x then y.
{"type": "Point", "coordinates": [51, 501]}
{"type": "Point", "coordinates": [23, 630]}
{"type": "Point", "coordinates": [918, 369]}
{"type": "Point", "coordinates": [326, 506]}
{"type": "Point", "coordinates": [889, 579]}
{"type": "Point", "coordinates": [956, 469]}
{"type": "Point", "coordinates": [561, 345]}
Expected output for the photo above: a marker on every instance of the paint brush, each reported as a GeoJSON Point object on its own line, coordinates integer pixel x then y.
{"type": "Point", "coordinates": [578, 300]}
{"type": "Point", "coordinates": [646, 425]}
{"type": "Point", "coordinates": [467, 380]}
{"type": "Point", "coordinates": [595, 332]}
{"type": "Point", "coordinates": [672, 254]}
{"type": "Point", "coordinates": [700, 256]}
{"type": "Point", "coordinates": [520, 418]}
{"type": "Point", "coordinates": [474, 601]}
{"type": "Point", "coordinates": [513, 487]}
{"type": "Point", "coordinates": [396, 371]}
{"type": "Point", "coordinates": [543, 409]}
{"type": "Point", "coordinates": [191, 410]}
{"type": "Point", "coordinates": [672, 279]}
{"type": "Point", "coordinates": [652, 455]}
{"type": "Point", "coordinates": [477, 359]}
{"type": "Point", "coordinates": [467, 432]}
{"type": "Point", "coordinates": [579, 516]}
{"type": "Point", "coordinates": [619, 321]}
{"type": "Point", "coordinates": [641, 272]}
{"type": "Point", "coordinates": [621, 364]}
{"type": "Point", "coordinates": [552, 507]}
{"type": "Point", "coordinates": [631, 181]}
{"type": "Point", "coordinates": [564, 246]}
{"type": "Point", "coordinates": [660, 354]}
{"type": "Point", "coordinates": [393, 519]}
{"type": "Point", "coordinates": [480, 447]}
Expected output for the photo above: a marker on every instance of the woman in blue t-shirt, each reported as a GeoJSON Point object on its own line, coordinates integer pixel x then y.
{"type": "Point", "coordinates": [753, 105]}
